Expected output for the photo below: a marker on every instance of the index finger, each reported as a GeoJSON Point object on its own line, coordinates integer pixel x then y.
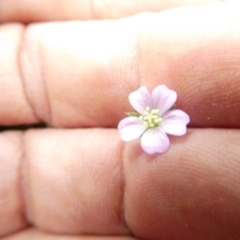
{"type": "Point", "coordinates": [79, 74]}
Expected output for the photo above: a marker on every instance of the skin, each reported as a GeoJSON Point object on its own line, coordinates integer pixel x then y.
{"type": "Point", "coordinates": [78, 180]}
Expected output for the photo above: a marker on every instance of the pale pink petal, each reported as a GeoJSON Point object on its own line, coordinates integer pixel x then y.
{"type": "Point", "coordinates": [174, 122]}
{"type": "Point", "coordinates": [131, 128]}
{"type": "Point", "coordinates": [163, 98]}
{"type": "Point", "coordinates": [140, 99]}
{"type": "Point", "coordinates": [155, 140]}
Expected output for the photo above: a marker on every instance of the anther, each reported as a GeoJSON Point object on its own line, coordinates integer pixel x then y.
{"type": "Point", "coordinates": [151, 117]}
{"type": "Point", "coordinates": [146, 112]}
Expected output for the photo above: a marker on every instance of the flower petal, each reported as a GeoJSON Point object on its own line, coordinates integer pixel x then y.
{"type": "Point", "coordinates": [155, 140]}
{"type": "Point", "coordinates": [140, 99]}
{"type": "Point", "coordinates": [174, 122]}
{"type": "Point", "coordinates": [163, 98]}
{"type": "Point", "coordinates": [131, 128]}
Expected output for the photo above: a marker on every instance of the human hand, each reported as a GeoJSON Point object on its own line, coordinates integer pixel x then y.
{"type": "Point", "coordinates": [85, 180]}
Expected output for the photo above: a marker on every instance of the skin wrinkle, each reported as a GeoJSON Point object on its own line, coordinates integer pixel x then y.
{"type": "Point", "coordinates": [15, 109]}
{"type": "Point", "coordinates": [15, 207]}
{"type": "Point", "coordinates": [123, 189]}
{"type": "Point", "coordinates": [21, 179]}
{"type": "Point", "coordinates": [137, 61]}
{"type": "Point", "coordinates": [31, 211]}
{"type": "Point", "coordinates": [43, 78]}
{"type": "Point", "coordinates": [92, 9]}
{"type": "Point", "coordinates": [21, 75]}
{"type": "Point", "coordinates": [36, 70]}
{"type": "Point", "coordinates": [123, 157]}
{"type": "Point", "coordinates": [50, 115]}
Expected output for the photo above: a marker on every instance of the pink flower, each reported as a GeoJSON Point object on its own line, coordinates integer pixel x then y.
{"type": "Point", "coordinates": [154, 119]}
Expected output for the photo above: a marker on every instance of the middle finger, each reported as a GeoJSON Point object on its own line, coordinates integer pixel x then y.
{"type": "Point", "coordinates": [79, 74]}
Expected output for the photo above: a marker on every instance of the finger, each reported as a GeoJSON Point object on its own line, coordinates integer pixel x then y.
{"type": "Point", "coordinates": [87, 182]}
{"type": "Point", "coordinates": [39, 235]}
{"type": "Point", "coordinates": [32, 11]}
{"type": "Point", "coordinates": [72, 80]}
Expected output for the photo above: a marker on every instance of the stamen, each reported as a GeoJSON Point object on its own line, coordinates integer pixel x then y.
{"type": "Point", "coordinates": [145, 123]}
{"type": "Point", "coordinates": [158, 120]}
{"type": "Point", "coordinates": [146, 112]}
{"type": "Point", "coordinates": [151, 118]}
{"type": "Point", "coordinates": [154, 111]}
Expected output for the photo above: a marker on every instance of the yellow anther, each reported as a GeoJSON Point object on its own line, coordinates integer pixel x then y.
{"type": "Point", "coordinates": [155, 111]}
{"type": "Point", "coordinates": [146, 112]}
{"type": "Point", "coordinates": [151, 118]}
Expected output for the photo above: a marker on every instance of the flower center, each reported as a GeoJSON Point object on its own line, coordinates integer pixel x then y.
{"type": "Point", "coordinates": [151, 118]}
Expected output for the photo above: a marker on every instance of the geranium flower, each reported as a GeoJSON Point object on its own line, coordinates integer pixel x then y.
{"type": "Point", "coordinates": [154, 119]}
